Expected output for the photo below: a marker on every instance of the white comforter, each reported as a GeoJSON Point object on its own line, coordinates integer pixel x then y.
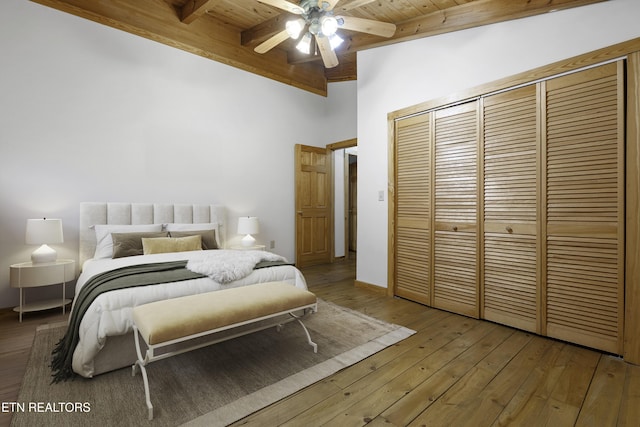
{"type": "Point", "coordinates": [110, 313]}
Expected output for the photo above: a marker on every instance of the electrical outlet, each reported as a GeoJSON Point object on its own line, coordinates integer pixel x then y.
{"type": "Point", "coordinates": [272, 244]}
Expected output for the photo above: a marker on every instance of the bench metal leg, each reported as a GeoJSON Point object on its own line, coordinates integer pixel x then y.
{"type": "Point", "coordinates": [306, 331]}
{"type": "Point", "coordinates": [141, 364]}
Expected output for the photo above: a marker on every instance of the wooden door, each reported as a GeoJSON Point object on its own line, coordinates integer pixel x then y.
{"type": "Point", "coordinates": [313, 206]}
{"type": "Point", "coordinates": [510, 148]}
{"type": "Point", "coordinates": [413, 213]}
{"type": "Point", "coordinates": [585, 207]}
{"type": "Point", "coordinates": [455, 247]}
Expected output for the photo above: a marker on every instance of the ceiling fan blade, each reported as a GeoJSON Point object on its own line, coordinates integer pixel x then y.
{"type": "Point", "coordinates": [382, 29]}
{"type": "Point", "coordinates": [284, 5]}
{"type": "Point", "coordinates": [330, 4]}
{"type": "Point", "coordinates": [328, 55]}
{"type": "Point", "coordinates": [272, 42]}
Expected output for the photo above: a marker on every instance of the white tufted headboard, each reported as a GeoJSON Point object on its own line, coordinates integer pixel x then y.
{"type": "Point", "coordinates": [92, 213]}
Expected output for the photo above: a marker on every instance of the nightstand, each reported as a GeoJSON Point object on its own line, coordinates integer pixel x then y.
{"type": "Point", "coordinates": [30, 275]}
{"type": "Point", "coordinates": [249, 248]}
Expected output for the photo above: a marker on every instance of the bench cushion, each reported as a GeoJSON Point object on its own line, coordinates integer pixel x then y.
{"type": "Point", "coordinates": [171, 319]}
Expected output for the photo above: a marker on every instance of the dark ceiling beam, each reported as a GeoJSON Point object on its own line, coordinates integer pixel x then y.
{"type": "Point", "coordinates": [264, 30]}
{"type": "Point", "coordinates": [194, 9]}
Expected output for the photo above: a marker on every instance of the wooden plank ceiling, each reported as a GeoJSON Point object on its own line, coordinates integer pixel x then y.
{"type": "Point", "coordinates": [227, 31]}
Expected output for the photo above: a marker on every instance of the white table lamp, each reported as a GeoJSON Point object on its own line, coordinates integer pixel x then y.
{"type": "Point", "coordinates": [248, 225]}
{"type": "Point", "coordinates": [42, 232]}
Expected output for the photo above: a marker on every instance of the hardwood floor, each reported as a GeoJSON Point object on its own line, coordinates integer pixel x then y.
{"type": "Point", "coordinates": [15, 345]}
{"type": "Point", "coordinates": [457, 371]}
{"type": "Point", "coordinates": [454, 371]}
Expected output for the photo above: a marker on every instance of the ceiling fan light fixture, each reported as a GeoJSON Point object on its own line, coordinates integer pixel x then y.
{"type": "Point", "coordinates": [335, 41]}
{"type": "Point", "coordinates": [318, 27]}
{"type": "Point", "coordinates": [304, 45]}
{"type": "Point", "coordinates": [295, 27]}
{"type": "Point", "coordinates": [329, 25]}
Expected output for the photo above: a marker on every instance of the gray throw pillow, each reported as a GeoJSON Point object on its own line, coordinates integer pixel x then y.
{"type": "Point", "coordinates": [130, 244]}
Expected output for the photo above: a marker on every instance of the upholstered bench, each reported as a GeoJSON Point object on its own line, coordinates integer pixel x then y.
{"type": "Point", "coordinates": [169, 322]}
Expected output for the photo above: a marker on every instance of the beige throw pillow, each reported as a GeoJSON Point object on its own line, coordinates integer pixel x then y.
{"type": "Point", "coordinates": [160, 245]}
{"type": "Point", "coordinates": [208, 237]}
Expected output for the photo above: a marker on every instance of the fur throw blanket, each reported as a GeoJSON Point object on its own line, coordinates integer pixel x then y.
{"type": "Point", "coordinates": [224, 266]}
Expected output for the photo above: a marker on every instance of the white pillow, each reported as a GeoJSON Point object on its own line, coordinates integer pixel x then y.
{"type": "Point", "coordinates": [104, 241]}
{"type": "Point", "coordinates": [173, 226]}
{"type": "Point", "coordinates": [191, 226]}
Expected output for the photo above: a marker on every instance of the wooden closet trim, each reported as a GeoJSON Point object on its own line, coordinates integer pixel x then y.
{"type": "Point", "coordinates": [542, 209]}
{"type": "Point", "coordinates": [480, 209]}
{"type": "Point", "coordinates": [632, 263]}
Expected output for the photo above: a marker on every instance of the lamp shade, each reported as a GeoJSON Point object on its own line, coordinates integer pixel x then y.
{"type": "Point", "coordinates": [248, 225]}
{"type": "Point", "coordinates": [295, 27]}
{"type": "Point", "coordinates": [41, 232]}
{"type": "Point", "coordinates": [304, 45]}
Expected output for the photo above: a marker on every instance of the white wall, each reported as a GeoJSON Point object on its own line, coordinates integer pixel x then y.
{"type": "Point", "coordinates": [90, 113]}
{"type": "Point", "coordinates": [398, 76]}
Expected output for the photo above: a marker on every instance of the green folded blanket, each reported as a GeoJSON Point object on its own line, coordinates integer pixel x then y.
{"type": "Point", "coordinates": [121, 278]}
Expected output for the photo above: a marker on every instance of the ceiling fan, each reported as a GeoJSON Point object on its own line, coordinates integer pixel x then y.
{"type": "Point", "coordinates": [317, 18]}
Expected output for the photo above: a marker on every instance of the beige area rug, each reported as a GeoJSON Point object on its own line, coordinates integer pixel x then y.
{"type": "Point", "coordinates": [212, 386]}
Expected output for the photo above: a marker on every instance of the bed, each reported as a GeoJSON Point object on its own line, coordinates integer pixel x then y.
{"type": "Point", "coordinates": [105, 331]}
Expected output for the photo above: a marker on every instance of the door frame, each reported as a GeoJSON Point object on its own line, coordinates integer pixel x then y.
{"type": "Point", "coordinates": [347, 143]}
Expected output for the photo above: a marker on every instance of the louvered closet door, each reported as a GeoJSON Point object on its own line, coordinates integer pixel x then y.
{"type": "Point", "coordinates": [585, 207]}
{"type": "Point", "coordinates": [455, 243]}
{"type": "Point", "coordinates": [413, 208]}
{"type": "Point", "coordinates": [510, 276]}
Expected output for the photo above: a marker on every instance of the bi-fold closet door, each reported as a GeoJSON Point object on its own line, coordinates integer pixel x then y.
{"type": "Point", "coordinates": [413, 208]}
{"type": "Point", "coordinates": [583, 292]}
{"type": "Point", "coordinates": [436, 246]}
{"type": "Point", "coordinates": [455, 247]}
{"type": "Point", "coordinates": [511, 257]}
{"type": "Point", "coordinates": [511, 207]}
{"type": "Point", "coordinates": [438, 199]}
